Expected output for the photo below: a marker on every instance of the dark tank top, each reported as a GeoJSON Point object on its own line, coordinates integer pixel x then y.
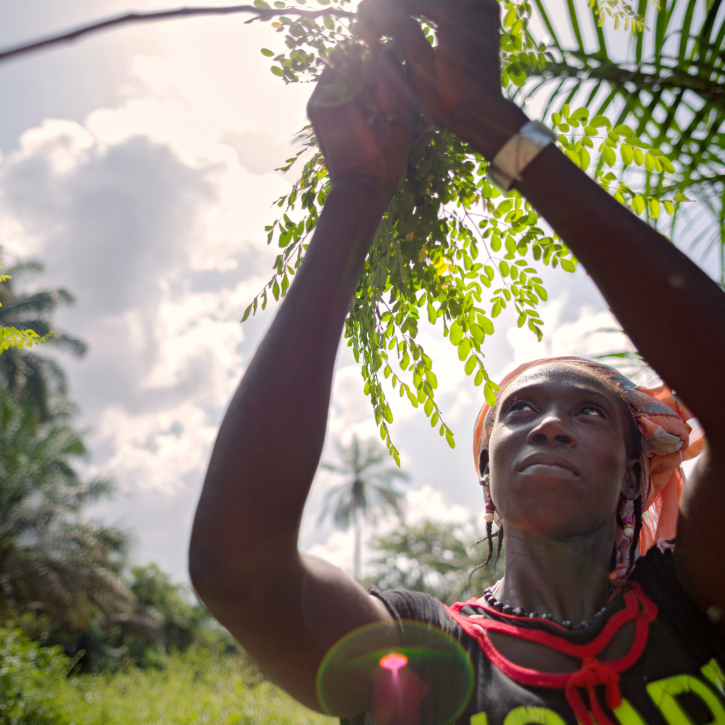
{"type": "Point", "coordinates": [672, 675]}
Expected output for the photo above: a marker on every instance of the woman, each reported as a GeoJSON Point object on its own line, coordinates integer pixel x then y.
{"type": "Point", "coordinates": [560, 456]}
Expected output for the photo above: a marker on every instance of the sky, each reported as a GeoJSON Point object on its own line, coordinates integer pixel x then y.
{"type": "Point", "coordinates": [139, 166]}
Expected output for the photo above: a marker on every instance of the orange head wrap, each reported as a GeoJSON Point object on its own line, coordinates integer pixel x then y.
{"type": "Point", "coordinates": [667, 441]}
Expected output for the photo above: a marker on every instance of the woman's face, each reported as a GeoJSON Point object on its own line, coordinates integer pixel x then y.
{"type": "Point", "coordinates": [557, 456]}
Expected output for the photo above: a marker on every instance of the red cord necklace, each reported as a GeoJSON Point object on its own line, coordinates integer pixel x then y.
{"type": "Point", "coordinates": [638, 607]}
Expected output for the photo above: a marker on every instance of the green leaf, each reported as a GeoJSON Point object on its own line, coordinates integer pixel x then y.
{"type": "Point", "coordinates": [489, 395]}
{"type": "Point", "coordinates": [277, 71]}
{"type": "Point", "coordinates": [479, 378]}
{"type": "Point", "coordinates": [485, 324]}
{"type": "Point", "coordinates": [470, 365]}
{"type": "Point", "coordinates": [450, 439]}
{"type": "Point", "coordinates": [261, 4]}
{"type": "Point", "coordinates": [567, 265]}
{"type": "Point", "coordinates": [464, 348]}
{"type": "Point", "coordinates": [541, 292]}
{"type": "Point", "coordinates": [599, 121]}
{"type": "Point", "coordinates": [247, 313]}
{"type": "Point", "coordinates": [654, 208]}
{"type": "Point", "coordinates": [456, 333]}
{"type": "Point", "coordinates": [504, 268]}
{"type": "Point", "coordinates": [478, 334]}
{"type": "Point", "coordinates": [585, 159]}
{"type": "Point", "coordinates": [267, 52]}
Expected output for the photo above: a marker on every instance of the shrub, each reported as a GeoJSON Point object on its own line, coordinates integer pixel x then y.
{"type": "Point", "coordinates": [33, 681]}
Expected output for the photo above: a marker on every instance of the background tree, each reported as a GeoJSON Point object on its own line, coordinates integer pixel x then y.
{"type": "Point", "coordinates": [26, 373]}
{"type": "Point", "coordinates": [669, 89]}
{"type": "Point", "coordinates": [367, 492]}
{"type": "Point", "coordinates": [431, 557]}
{"type": "Point", "coordinates": [183, 621]}
{"type": "Point", "coordinates": [52, 562]}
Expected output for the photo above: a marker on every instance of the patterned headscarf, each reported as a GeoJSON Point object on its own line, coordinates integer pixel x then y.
{"type": "Point", "coordinates": [667, 441]}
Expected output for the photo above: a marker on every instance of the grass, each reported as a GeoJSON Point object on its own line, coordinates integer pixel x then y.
{"type": "Point", "coordinates": [194, 687]}
{"type": "Point", "coordinates": [197, 686]}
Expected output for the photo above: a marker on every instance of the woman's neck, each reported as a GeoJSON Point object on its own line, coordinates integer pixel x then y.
{"type": "Point", "coordinates": [567, 578]}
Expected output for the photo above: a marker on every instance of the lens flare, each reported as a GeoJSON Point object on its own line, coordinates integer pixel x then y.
{"type": "Point", "coordinates": [393, 661]}
{"type": "Point", "coordinates": [403, 672]}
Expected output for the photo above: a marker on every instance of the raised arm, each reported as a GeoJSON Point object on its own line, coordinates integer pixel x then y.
{"type": "Point", "coordinates": [673, 312]}
{"type": "Point", "coordinates": [286, 608]}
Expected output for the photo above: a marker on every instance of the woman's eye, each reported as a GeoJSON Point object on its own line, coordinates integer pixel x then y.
{"type": "Point", "coordinates": [592, 410]}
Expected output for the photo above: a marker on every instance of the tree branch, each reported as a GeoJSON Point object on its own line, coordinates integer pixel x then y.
{"type": "Point", "coordinates": [135, 17]}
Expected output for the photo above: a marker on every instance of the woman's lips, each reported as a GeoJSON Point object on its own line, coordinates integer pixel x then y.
{"type": "Point", "coordinates": [541, 464]}
{"type": "Point", "coordinates": [548, 470]}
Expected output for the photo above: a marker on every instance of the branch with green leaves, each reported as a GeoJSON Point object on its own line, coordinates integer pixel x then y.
{"type": "Point", "coordinates": [12, 337]}
{"type": "Point", "coordinates": [451, 247]}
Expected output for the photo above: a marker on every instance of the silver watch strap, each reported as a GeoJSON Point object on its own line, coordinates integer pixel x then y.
{"type": "Point", "coordinates": [517, 153]}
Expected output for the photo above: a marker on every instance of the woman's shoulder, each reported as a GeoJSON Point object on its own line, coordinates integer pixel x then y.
{"type": "Point", "coordinates": [414, 606]}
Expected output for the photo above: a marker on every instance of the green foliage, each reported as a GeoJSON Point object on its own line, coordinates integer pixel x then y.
{"type": "Point", "coordinates": [431, 557]}
{"type": "Point", "coordinates": [453, 249]}
{"type": "Point", "coordinates": [669, 90]}
{"type": "Point", "coordinates": [52, 562]}
{"type": "Point", "coordinates": [25, 320]}
{"type": "Point", "coordinates": [12, 337]}
{"type": "Point", "coordinates": [197, 686]}
{"type": "Point", "coordinates": [32, 679]}
{"type": "Point", "coordinates": [175, 620]}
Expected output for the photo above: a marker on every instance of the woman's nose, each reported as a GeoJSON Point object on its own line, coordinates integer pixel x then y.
{"type": "Point", "coordinates": [551, 430]}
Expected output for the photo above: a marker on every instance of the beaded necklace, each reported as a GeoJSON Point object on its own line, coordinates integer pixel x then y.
{"type": "Point", "coordinates": [492, 602]}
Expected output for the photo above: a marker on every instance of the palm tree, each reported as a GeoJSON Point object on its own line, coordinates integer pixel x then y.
{"type": "Point", "coordinates": [52, 561]}
{"type": "Point", "coordinates": [367, 492]}
{"type": "Point", "coordinates": [670, 89]}
{"type": "Point", "coordinates": [25, 373]}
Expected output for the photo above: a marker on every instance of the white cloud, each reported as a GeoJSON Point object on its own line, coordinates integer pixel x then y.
{"type": "Point", "coordinates": [157, 229]}
{"type": "Point", "coordinates": [591, 333]}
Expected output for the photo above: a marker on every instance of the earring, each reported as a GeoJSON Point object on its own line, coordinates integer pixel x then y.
{"type": "Point", "coordinates": [488, 516]}
{"type": "Point", "coordinates": [625, 518]}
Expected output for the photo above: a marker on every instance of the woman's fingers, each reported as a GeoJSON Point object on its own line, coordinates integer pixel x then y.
{"type": "Point", "coordinates": [388, 17]}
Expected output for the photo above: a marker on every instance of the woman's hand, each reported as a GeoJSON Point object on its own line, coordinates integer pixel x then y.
{"type": "Point", "coordinates": [362, 113]}
{"type": "Point", "coordinates": [458, 83]}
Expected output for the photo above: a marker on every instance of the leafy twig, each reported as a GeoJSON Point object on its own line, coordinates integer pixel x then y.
{"type": "Point", "coordinates": [262, 13]}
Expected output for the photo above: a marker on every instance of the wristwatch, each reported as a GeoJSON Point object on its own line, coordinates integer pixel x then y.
{"type": "Point", "coordinates": [517, 153]}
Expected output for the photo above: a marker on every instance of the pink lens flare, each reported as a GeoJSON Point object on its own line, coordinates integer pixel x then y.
{"type": "Point", "coordinates": [393, 661]}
